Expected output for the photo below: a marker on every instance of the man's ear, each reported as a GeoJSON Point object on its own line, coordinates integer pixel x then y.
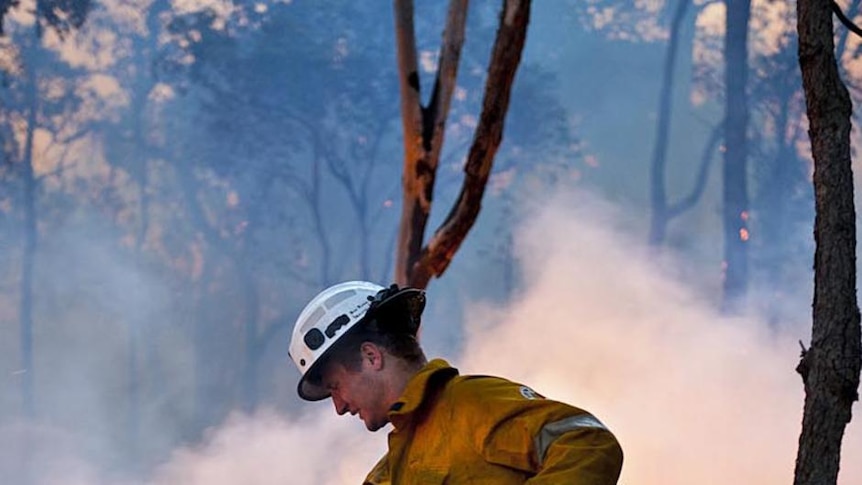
{"type": "Point", "coordinates": [372, 355]}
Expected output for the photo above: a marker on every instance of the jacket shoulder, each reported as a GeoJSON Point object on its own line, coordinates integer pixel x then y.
{"type": "Point", "coordinates": [476, 388]}
{"type": "Point", "coordinates": [379, 475]}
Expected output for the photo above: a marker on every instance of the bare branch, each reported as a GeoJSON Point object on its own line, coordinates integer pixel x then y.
{"type": "Point", "coordinates": [702, 175]}
{"type": "Point", "coordinates": [423, 128]}
{"type": "Point", "coordinates": [408, 79]}
{"type": "Point", "coordinates": [447, 74]}
{"type": "Point", "coordinates": [505, 58]}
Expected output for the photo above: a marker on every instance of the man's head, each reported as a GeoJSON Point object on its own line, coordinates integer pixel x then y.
{"type": "Point", "coordinates": [356, 342]}
{"type": "Point", "coordinates": [365, 373]}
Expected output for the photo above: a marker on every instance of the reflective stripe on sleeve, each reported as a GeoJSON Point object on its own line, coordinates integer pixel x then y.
{"type": "Point", "coordinates": [551, 431]}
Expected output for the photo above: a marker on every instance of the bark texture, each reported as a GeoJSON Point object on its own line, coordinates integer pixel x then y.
{"type": "Point", "coordinates": [830, 368]}
{"type": "Point", "coordinates": [424, 129]}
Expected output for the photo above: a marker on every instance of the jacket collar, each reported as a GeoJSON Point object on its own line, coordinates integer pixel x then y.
{"type": "Point", "coordinates": [418, 389]}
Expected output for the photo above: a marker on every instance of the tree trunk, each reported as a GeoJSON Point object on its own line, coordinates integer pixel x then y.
{"type": "Point", "coordinates": [735, 210]}
{"type": "Point", "coordinates": [144, 364]}
{"type": "Point", "coordinates": [314, 196]}
{"type": "Point", "coordinates": [139, 337]}
{"type": "Point", "coordinates": [424, 128]}
{"type": "Point", "coordinates": [31, 233]}
{"type": "Point", "coordinates": [658, 191]}
{"type": "Point", "coordinates": [27, 263]}
{"type": "Point", "coordinates": [830, 368]}
{"type": "Point", "coordinates": [251, 317]}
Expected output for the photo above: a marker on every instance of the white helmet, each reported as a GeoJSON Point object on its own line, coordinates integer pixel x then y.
{"type": "Point", "coordinates": [333, 312]}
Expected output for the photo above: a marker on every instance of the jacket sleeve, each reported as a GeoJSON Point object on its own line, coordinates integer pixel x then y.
{"type": "Point", "coordinates": [578, 456]}
{"type": "Point", "coordinates": [550, 441]}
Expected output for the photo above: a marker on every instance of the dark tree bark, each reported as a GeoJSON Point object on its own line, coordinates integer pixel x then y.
{"type": "Point", "coordinates": [424, 129]}
{"type": "Point", "coordinates": [735, 187]}
{"type": "Point", "coordinates": [830, 368]}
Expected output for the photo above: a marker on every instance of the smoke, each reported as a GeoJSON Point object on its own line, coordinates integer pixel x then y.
{"type": "Point", "coordinates": [269, 449]}
{"type": "Point", "coordinates": [43, 455]}
{"type": "Point", "coordinates": [693, 397]}
{"type": "Point", "coordinates": [261, 449]}
{"type": "Point", "coordinates": [90, 298]}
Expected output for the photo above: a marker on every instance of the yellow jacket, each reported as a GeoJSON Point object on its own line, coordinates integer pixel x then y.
{"type": "Point", "coordinates": [486, 430]}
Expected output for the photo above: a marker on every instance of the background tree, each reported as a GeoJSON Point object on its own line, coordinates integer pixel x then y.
{"type": "Point", "coordinates": [674, 23]}
{"type": "Point", "coordinates": [29, 81]}
{"type": "Point", "coordinates": [129, 146]}
{"type": "Point", "coordinates": [735, 210]}
{"type": "Point", "coordinates": [661, 212]}
{"type": "Point", "coordinates": [782, 201]}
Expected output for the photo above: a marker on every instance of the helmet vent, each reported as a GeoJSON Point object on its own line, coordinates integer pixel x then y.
{"type": "Point", "coordinates": [338, 298]}
{"type": "Point", "coordinates": [313, 318]}
{"type": "Point", "coordinates": [314, 339]}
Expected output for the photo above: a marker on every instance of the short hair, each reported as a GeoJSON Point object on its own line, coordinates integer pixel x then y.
{"type": "Point", "coordinates": [402, 345]}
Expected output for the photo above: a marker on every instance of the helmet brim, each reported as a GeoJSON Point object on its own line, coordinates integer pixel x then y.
{"type": "Point", "coordinates": [413, 298]}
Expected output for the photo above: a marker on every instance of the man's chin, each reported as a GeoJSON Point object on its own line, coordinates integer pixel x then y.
{"type": "Point", "coordinates": [374, 426]}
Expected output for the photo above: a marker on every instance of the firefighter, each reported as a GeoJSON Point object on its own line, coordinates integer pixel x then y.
{"type": "Point", "coordinates": [356, 343]}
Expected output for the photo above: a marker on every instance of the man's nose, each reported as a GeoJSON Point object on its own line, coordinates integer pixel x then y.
{"type": "Point", "coordinates": [340, 405]}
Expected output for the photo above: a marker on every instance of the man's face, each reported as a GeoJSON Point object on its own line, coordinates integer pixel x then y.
{"type": "Point", "coordinates": [358, 392]}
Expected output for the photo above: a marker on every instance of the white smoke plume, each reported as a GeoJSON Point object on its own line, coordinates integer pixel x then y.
{"type": "Point", "coordinates": [693, 397]}
{"type": "Point", "coordinates": [262, 449]}
{"type": "Point", "coordinates": [43, 455]}
{"type": "Point", "coordinates": [269, 449]}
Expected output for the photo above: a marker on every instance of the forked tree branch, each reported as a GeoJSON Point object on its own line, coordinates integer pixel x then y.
{"type": "Point", "coordinates": [424, 127]}
{"type": "Point", "coordinates": [505, 58]}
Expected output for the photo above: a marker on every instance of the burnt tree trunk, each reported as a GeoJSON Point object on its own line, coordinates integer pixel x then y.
{"type": "Point", "coordinates": [830, 368]}
{"type": "Point", "coordinates": [424, 128]}
{"type": "Point", "coordinates": [735, 185]}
